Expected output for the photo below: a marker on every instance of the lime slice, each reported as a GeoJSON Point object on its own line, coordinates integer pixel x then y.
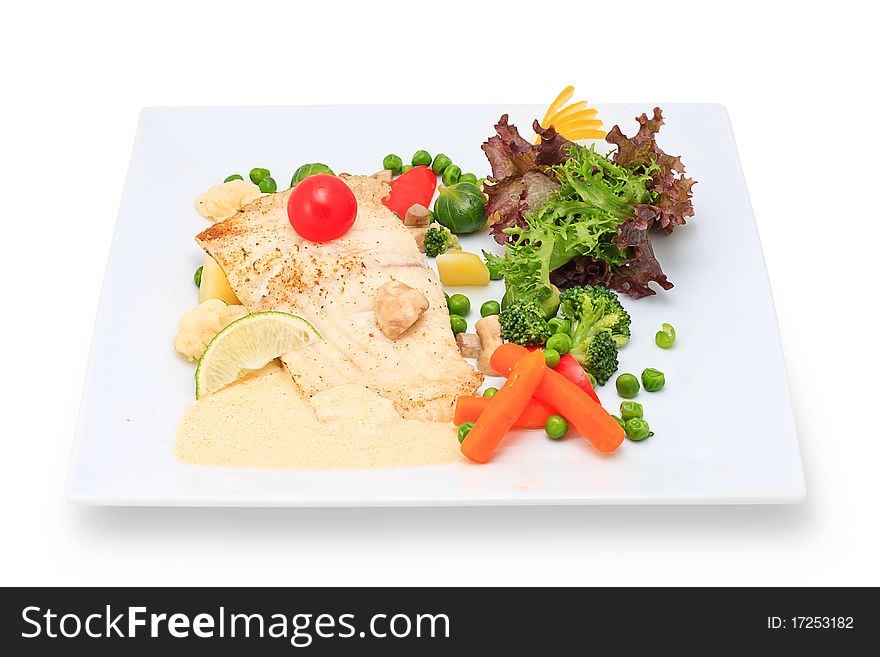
{"type": "Point", "coordinates": [248, 344]}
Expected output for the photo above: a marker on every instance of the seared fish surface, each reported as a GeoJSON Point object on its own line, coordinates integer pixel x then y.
{"type": "Point", "coordinates": [333, 285]}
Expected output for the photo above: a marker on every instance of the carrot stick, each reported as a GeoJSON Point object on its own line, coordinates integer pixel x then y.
{"type": "Point", "coordinates": [504, 408]}
{"type": "Point", "coordinates": [589, 418]}
{"type": "Point", "coordinates": [534, 416]}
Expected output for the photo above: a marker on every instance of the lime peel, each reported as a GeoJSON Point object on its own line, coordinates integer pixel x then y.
{"type": "Point", "coordinates": [249, 344]}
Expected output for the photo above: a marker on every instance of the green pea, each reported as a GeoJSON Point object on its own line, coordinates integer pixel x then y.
{"type": "Point", "coordinates": [421, 159]}
{"type": "Point", "coordinates": [458, 324]}
{"type": "Point", "coordinates": [463, 430]}
{"type": "Point", "coordinates": [440, 163]}
{"type": "Point", "coordinates": [447, 299]}
{"type": "Point", "coordinates": [620, 422]}
{"type": "Point", "coordinates": [197, 277]}
{"type": "Point", "coordinates": [494, 270]}
{"type": "Point", "coordinates": [559, 342]}
{"type": "Point", "coordinates": [631, 409]}
{"type": "Point", "coordinates": [451, 174]}
{"type": "Point", "coordinates": [467, 177]}
{"type": "Point", "coordinates": [490, 392]}
{"type": "Point", "coordinates": [556, 426]}
{"type": "Point", "coordinates": [593, 381]}
{"type": "Point", "coordinates": [459, 304]}
{"type": "Point", "coordinates": [557, 325]}
{"type": "Point", "coordinates": [627, 386]}
{"type": "Point", "coordinates": [490, 308]}
{"type": "Point", "coordinates": [392, 162]}
{"type": "Point", "coordinates": [257, 174]}
{"type": "Point", "coordinates": [551, 357]}
{"type": "Point", "coordinates": [637, 429]}
{"type": "Point", "coordinates": [267, 185]}
{"type": "Point", "coordinates": [665, 337]}
{"type": "Point", "coordinates": [652, 379]}
{"type": "Point", "coordinates": [234, 176]}
{"type": "Point", "coordinates": [405, 168]}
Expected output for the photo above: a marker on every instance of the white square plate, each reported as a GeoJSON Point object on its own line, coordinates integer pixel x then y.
{"type": "Point", "coordinates": [724, 426]}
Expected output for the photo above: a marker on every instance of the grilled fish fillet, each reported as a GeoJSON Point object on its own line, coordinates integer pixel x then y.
{"type": "Point", "coordinates": [333, 285]}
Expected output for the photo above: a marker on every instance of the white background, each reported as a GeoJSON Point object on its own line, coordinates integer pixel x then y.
{"type": "Point", "coordinates": [799, 81]}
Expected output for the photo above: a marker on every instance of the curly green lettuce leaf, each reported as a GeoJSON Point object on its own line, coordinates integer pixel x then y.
{"type": "Point", "coordinates": [570, 216]}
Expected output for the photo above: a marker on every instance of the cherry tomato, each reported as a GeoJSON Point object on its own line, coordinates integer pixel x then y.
{"type": "Point", "coordinates": [321, 208]}
{"type": "Point", "coordinates": [415, 186]}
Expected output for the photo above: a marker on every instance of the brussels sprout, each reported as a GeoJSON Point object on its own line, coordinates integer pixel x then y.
{"type": "Point", "coordinates": [307, 170]}
{"type": "Point", "coordinates": [461, 208]}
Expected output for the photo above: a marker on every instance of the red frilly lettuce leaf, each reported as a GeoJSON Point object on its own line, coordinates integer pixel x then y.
{"type": "Point", "coordinates": [630, 277]}
{"type": "Point", "coordinates": [508, 153]}
{"type": "Point", "coordinates": [519, 174]}
{"type": "Point", "coordinates": [674, 196]}
{"type": "Point", "coordinates": [553, 148]}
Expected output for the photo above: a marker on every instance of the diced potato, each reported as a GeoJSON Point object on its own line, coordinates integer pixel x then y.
{"type": "Point", "coordinates": [462, 268]}
{"type": "Point", "coordinates": [214, 284]}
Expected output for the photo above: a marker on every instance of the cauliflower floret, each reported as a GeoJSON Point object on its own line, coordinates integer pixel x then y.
{"type": "Point", "coordinates": [224, 200]}
{"type": "Point", "coordinates": [198, 326]}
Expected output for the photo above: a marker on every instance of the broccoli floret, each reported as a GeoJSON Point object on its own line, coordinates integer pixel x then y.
{"type": "Point", "coordinates": [598, 325]}
{"type": "Point", "coordinates": [572, 300]}
{"type": "Point", "coordinates": [439, 239]}
{"type": "Point", "coordinates": [599, 357]}
{"type": "Point", "coordinates": [620, 331]}
{"type": "Point", "coordinates": [549, 305]}
{"type": "Point", "coordinates": [522, 322]}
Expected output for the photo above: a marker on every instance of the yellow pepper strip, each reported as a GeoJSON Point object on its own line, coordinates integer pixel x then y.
{"type": "Point", "coordinates": [572, 125]}
{"type": "Point", "coordinates": [574, 108]}
{"type": "Point", "coordinates": [563, 97]}
{"type": "Point", "coordinates": [586, 133]}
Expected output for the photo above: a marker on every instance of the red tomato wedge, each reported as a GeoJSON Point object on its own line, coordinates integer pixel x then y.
{"type": "Point", "coordinates": [572, 370]}
{"type": "Point", "coordinates": [415, 186]}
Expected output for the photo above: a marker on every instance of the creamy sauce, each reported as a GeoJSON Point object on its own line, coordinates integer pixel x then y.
{"type": "Point", "coordinates": [263, 422]}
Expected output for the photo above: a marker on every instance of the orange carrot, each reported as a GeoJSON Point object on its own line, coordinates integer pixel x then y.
{"type": "Point", "coordinates": [589, 418]}
{"type": "Point", "coordinates": [504, 408]}
{"type": "Point", "coordinates": [534, 416]}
